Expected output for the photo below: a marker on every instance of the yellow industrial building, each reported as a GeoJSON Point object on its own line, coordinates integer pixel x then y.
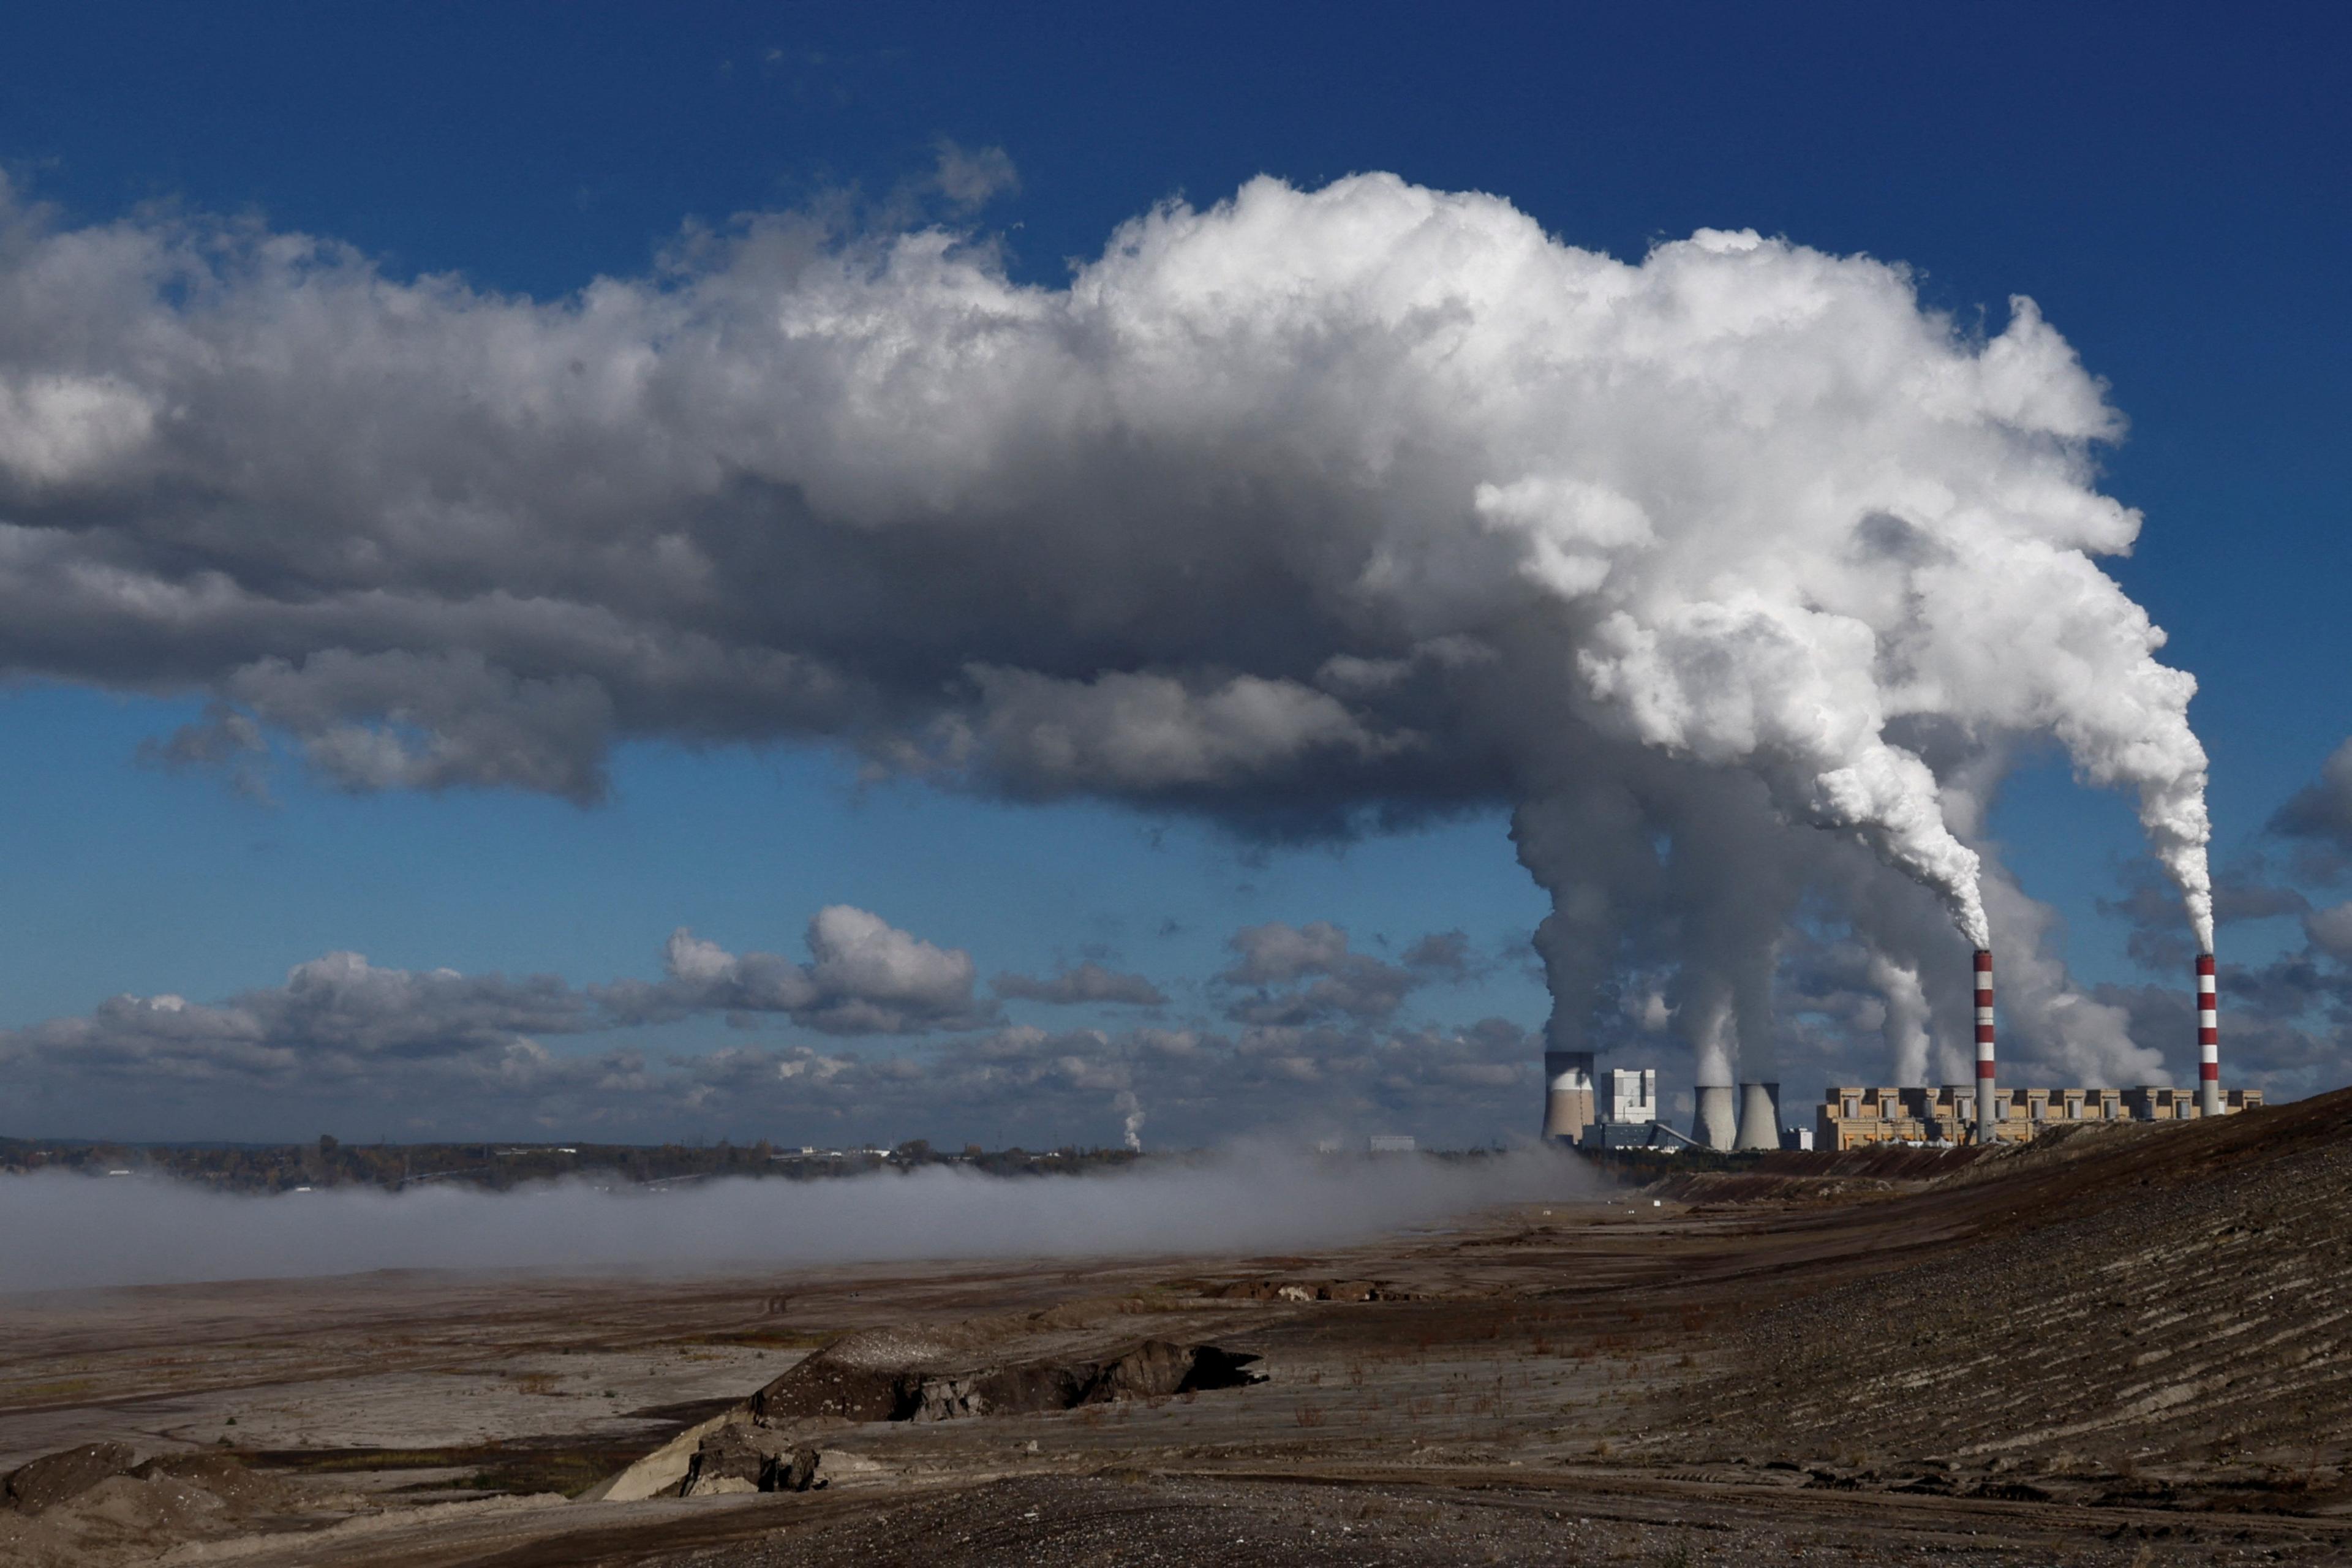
{"type": "Point", "coordinates": [1852, 1115]}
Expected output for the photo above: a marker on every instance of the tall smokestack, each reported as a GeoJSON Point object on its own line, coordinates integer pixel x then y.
{"type": "Point", "coordinates": [1717, 1124]}
{"type": "Point", "coordinates": [1759, 1115]}
{"type": "Point", "coordinates": [1985, 1090]}
{"type": "Point", "coordinates": [2209, 1040]}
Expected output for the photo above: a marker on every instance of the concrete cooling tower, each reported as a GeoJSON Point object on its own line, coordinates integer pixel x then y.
{"type": "Point", "coordinates": [1759, 1115]}
{"type": "Point", "coordinates": [1567, 1094]}
{"type": "Point", "coordinates": [1716, 1121]}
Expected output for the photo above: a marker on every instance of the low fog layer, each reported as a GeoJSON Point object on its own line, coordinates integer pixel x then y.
{"type": "Point", "coordinates": [66, 1231]}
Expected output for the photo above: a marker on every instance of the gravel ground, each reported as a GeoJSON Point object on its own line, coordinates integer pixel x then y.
{"type": "Point", "coordinates": [2165, 1316]}
{"type": "Point", "coordinates": [1187, 1523]}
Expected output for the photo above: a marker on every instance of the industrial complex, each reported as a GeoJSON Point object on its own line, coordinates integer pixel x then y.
{"type": "Point", "coordinates": [1617, 1107]}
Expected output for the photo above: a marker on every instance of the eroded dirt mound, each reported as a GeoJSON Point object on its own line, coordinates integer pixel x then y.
{"type": "Point", "coordinates": [90, 1505]}
{"type": "Point", "coordinates": [61, 1477]}
{"type": "Point", "coordinates": [853, 1389]}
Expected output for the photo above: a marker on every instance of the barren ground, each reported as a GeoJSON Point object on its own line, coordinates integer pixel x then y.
{"type": "Point", "coordinates": [2126, 1346]}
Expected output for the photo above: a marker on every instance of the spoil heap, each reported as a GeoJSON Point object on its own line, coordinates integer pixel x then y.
{"type": "Point", "coordinates": [2158, 1307]}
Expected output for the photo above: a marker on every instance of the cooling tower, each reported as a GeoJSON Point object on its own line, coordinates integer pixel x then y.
{"type": "Point", "coordinates": [1716, 1121]}
{"type": "Point", "coordinates": [2209, 1040]}
{"type": "Point", "coordinates": [1567, 1094]}
{"type": "Point", "coordinates": [1759, 1115]}
{"type": "Point", "coordinates": [1985, 1089]}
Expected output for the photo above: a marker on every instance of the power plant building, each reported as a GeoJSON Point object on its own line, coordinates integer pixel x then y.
{"type": "Point", "coordinates": [1621, 1110]}
{"type": "Point", "coordinates": [1855, 1116]}
{"type": "Point", "coordinates": [1615, 1109]}
{"type": "Point", "coordinates": [1628, 1096]}
{"type": "Point", "coordinates": [1627, 1114]}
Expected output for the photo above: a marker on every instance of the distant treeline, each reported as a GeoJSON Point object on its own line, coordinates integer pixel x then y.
{"type": "Point", "coordinates": [329, 1163]}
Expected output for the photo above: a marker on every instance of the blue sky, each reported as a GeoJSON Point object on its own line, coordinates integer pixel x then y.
{"type": "Point", "coordinates": [2167, 183]}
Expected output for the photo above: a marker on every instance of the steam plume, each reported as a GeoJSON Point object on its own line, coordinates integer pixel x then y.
{"type": "Point", "coordinates": [1310, 509]}
{"type": "Point", "coordinates": [1905, 1024]}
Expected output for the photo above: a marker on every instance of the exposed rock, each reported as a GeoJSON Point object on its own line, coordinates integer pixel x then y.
{"type": "Point", "coordinates": [719, 1486]}
{"type": "Point", "coordinates": [57, 1477]}
{"type": "Point", "coordinates": [830, 1467]}
{"type": "Point", "coordinates": [1157, 1368]}
{"type": "Point", "coordinates": [796, 1473]}
{"type": "Point", "coordinates": [742, 1458]}
{"type": "Point", "coordinates": [728, 1459]}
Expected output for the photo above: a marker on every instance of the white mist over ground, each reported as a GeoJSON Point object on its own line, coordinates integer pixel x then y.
{"type": "Point", "coordinates": [70, 1232]}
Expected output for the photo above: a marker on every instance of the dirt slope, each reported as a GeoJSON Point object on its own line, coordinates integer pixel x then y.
{"type": "Point", "coordinates": [2171, 1306]}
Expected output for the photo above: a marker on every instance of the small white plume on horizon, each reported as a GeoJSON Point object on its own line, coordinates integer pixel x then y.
{"type": "Point", "coordinates": [73, 1232]}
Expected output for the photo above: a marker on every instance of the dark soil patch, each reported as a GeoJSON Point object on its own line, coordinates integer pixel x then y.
{"type": "Point", "coordinates": [521, 1468]}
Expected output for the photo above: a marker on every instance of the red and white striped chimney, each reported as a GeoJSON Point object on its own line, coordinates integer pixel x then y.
{"type": "Point", "coordinates": [2209, 1040]}
{"type": "Point", "coordinates": [1985, 1133]}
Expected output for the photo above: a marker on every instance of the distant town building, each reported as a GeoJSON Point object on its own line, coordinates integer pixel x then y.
{"type": "Point", "coordinates": [1392, 1142]}
{"type": "Point", "coordinates": [1854, 1116]}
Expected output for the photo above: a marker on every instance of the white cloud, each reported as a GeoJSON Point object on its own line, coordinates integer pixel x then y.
{"type": "Point", "coordinates": [865, 977]}
{"type": "Point", "coordinates": [971, 177]}
{"type": "Point", "coordinates": [56, 429]}
{"type": "Point", "coordinates": [443, 1053]}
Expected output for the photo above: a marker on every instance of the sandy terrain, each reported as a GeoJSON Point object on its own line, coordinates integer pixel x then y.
{"type": "Point", "coordinates": [2126, 1347]}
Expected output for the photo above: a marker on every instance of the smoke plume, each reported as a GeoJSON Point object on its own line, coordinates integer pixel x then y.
{"type": "Point", "coordinates": [1308, 511]}
{"type": "Point", "coordinates": [1906, 1018]}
